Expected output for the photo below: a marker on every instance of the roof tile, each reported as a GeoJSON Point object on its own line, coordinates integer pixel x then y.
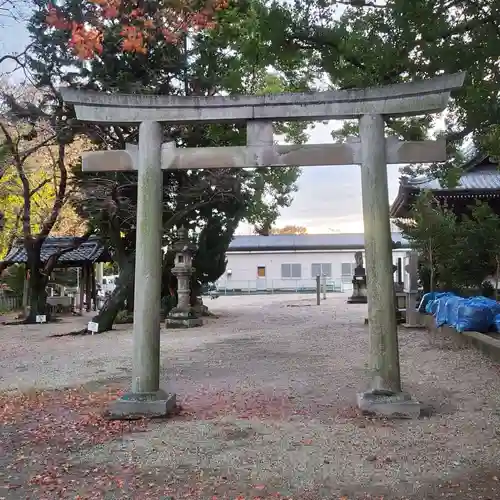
{"type": "Point", "coordinates": [91, 250]}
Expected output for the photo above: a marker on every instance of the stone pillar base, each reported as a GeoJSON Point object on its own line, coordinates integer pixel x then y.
{"type": "Point", "coordinates": [358, 299]}
{"type": "Point", "coordinates": [132, 406]}
{"type": "Point", "coordinates": [180, 319]}
{"type": "Point", "coordinates": [400, 317]}
{"type": "Point", "coordinates": [399, 405]}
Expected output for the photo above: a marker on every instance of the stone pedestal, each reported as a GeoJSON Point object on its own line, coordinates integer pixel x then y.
{"type": "Point", "coordinates": [183, 319]}
{"type": "Point", "coordinates": [413, 316]}
{"type": "Point", "coordinates": [396, 405]}
{"type": "Point", "coordinates": [133, 406]}
{"type": "Point", "coordinates": [411, 289]}
{"type": "Point", "coordinates": [359, 291]}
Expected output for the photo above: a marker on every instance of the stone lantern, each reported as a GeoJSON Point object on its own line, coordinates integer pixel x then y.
{"type": "Point", "coordinates": [183, 316]}
{"type": "Point", "coordinates": [359, 295]}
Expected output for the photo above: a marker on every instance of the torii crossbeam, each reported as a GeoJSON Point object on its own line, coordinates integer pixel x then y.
{"type": "Point", "coordinates": [373, 152]}
{"type": "Point", "coordinates": [397, 152]}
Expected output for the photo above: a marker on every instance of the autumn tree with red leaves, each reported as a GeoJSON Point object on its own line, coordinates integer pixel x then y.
{"type": "Point", "coordinates": [140, 22]}
{"type": "Point", "coordinates": [217, 52]}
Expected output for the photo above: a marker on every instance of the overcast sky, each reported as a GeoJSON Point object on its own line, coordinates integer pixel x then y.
{"type": "Point", "coordinates": [329, 198]}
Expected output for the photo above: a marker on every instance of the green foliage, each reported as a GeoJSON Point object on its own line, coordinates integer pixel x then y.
{"type": "Point", "coordinates": [487, 289]}
{"type": "Point", "coordinates": [124, 318]}
{"type": "Point", "coordinates": [455, 254]}
{"type": "Point", "coordinates": [13, 280]}
{"type": "Point", "coordinates": [110, 268]}
{"type": "Point", "coordinates": [481, 236]}
{"type": "Point", "coordinates": [432, 231]}
{"type": "Point", "coordinates": [12, 202]}
{"type": "Point", "coordinates": [229, 59]}
{"type": "Point", "coordinates": [168, 302]}
{"type": "Point", "coordinates": [213, 241]}
{"type": "Point", "coordinates": [402, 41]}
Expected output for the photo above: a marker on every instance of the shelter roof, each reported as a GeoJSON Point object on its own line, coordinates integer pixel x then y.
{"type": "Point", "coordinates": [89, 252]}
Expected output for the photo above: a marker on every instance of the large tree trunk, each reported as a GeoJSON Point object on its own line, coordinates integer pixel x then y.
{"type": "Point", "coordinates": [116, 301]}
{"type": "Point", "coordinates": [37, 284]}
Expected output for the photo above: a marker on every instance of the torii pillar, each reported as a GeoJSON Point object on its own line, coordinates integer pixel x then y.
{"type": "Point", "coordinates": [373, 152]}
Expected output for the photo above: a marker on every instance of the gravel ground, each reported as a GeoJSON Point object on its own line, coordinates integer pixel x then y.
{"type": "Point", "coordinates": [268, 393]}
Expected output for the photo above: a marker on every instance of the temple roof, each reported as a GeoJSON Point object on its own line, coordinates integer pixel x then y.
{"type": "Point", "coordinates": [483, 174]}
{"type": "Point", "coordinates": [481, 177]}
{"type": "Point", "coordinates": [89, 252]}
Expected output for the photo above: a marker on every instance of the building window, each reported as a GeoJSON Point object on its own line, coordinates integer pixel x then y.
{"type": "Point", "coordinates": [261, 271]}
{"type": "Point", "coordinates": [291, 271]}
{"type": "Point", "coordinates": [347, 271]}
{"type": "Point", "coordinates": [321, 269]}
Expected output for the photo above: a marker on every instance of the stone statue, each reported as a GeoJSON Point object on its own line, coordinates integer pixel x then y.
{"type": "Point", "coordinates": [359, 270]}
{"type": "Point", "coordinates": [359, 295]}
{"type": "Point", "coordinates": [358, 258]}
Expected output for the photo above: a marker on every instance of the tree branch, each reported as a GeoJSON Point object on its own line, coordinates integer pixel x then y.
{"type": "Point", "coordinates": [40, 186]}
{"type": "Point", "coordinates": [17, 58]}
{"type": "Point", "coordinates": [34, 149]}
{"type": "Point", "coordinates": [318, 42]}
{"type": "Point", "coordinates": [60, 195]}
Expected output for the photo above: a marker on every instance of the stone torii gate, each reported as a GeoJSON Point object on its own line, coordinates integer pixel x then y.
{"type": "Point", "coordinates": [373, 152]}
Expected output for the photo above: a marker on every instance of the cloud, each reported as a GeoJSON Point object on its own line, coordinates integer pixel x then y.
{"type": "Point", "coordinates": [330, 197]}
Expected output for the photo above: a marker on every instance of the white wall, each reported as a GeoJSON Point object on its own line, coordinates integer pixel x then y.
{"type": "Point", "coordinates": [243, 267]}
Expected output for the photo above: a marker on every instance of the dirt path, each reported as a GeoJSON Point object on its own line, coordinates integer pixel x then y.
{"type": "Point", "coordinates": [268, 392]}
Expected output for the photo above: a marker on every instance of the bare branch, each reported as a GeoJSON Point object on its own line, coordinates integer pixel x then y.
{"type": "Point", "coordinates": [60, 195]}
{"type": "Point", "coordinates": [38, 146]}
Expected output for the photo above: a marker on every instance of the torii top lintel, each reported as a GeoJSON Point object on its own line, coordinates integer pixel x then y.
{"type": "Point", "coordinates": [406, 99]}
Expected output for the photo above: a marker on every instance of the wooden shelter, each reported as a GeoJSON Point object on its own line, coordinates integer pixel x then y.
{"type": "Point", "coordinates": [83, 257]}
{"type": "Point", "coordinates": [479, 181]}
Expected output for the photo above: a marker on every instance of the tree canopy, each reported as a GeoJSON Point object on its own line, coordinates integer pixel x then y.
{"type": "Point", "coordinates": [228, 58]}
{"type": "Point", "coordinates": [360, 43]}
{"type": "Point", "coordinates": [353, 44]}
{"type": "Point", "coordinates": [137, 23]}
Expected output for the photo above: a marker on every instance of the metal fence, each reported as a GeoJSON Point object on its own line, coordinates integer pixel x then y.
{"type": "Point", "coordinates": [9, 303]}
{"type": "Point", "coordinates": [255, 287]}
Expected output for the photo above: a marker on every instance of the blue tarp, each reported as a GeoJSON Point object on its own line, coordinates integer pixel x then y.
{"type": "Point", "coordinates": [478, 314]}
{"type": "Point", "coordinates": [428, 304]}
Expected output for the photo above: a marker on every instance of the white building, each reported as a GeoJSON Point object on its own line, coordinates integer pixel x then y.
{"type": "Point", "coordinates": [291, 262]}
